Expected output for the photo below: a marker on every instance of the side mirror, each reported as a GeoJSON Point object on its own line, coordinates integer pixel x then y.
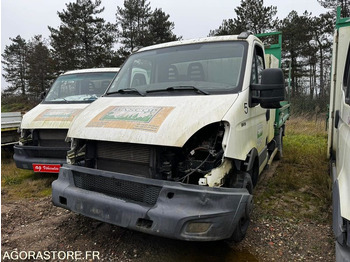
{"type": "Point", "coordinates": [271, 91]}
{"type": "Point", "coordinates": [42, 95]}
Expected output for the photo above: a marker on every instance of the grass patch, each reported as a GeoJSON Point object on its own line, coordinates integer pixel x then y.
{"type": "Point", "coordinates": [18, 183]}
{"type": "Point", "coordinates": [301, 186]}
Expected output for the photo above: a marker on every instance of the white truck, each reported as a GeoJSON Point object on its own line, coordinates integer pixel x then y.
{"type": "Point", "coordinates": [177, 143]}
{"type": "Point", "coordinates": [339, 137]}
{"type": "Point", "coordinates": [42, 146]}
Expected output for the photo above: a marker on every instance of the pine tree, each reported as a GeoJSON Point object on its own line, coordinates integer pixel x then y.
{"type": "Point", "coordinates": [322, 33]}
{"type": "Point", "coordinates": [140, 27]}
{"type": "Point", "coordinates": [15, 66]}
{"type": "Point", "coordinates": [40, 66]}
{"type": "Point", "coordinates": [296, 37]}
{"type": "Point", "coordinates": [132, 21]}
{"type": "Point", "coordinates": [83, 39]}
{"type": "Point", "coordinates": [333, 4]}
{"type": "Point", "coordinates": [252, 16]}
{"type": "Point", "coordinates": [160, 28]}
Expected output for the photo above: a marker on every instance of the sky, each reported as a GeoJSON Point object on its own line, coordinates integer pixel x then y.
{"type": "Point", "coordinates": [192, 19]}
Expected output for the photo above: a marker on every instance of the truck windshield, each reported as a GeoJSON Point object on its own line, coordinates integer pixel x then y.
{"type": "Point", "coordinates": [80, 87]}
{"type": "Point", "coordinates": [208, 68]}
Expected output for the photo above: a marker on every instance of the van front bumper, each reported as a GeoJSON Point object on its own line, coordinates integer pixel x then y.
{"type": "Point", "coordinates": [26, 156]}
{"type": "Point", "coordinates": [163, 208]}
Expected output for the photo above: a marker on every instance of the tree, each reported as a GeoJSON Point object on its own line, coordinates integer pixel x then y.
{"type": "Point", "coordinates": [40, 71]}
{"type": "Point", "coordinates": [140, 27]}
{"type": "Point", "coordinates": [83, 39]}
{"type": "Point", "coordinates": [333, 4]}
{"type": "Point", "coordinates": [296, 36]}
{"type": "Point", "coordinates": [252, 16]}
{"type": "Point", "coordinates": [132, 21]}
{"type": "Point", "coordinates": [15, 65]}
{"type": "Point", "coordinates": [160, 28]}
{"type": "Point", "coordinates": [322, 31]}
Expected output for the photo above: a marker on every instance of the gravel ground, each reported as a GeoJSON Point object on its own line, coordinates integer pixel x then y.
{"type": "Point", "coordinates": [36, 225]}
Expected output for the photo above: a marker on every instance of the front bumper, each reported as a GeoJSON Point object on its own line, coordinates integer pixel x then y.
{"type": "Point", "coordinates": [163, 208]}
{"type": "Point", "coordinates": [26, 156]}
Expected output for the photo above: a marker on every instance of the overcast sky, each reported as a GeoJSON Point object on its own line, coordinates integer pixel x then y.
{"type": "Point", "coordinates": [192, 18]}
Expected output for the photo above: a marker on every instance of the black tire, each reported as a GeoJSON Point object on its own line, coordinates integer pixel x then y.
{"type": "Point", "coordinates": [254, 173]}
{"type": "Point", "coordinates": [242, 226]}
{"type": "Point", "coordinates": [241, 229]}
{"type": "Point", "coordinates": [279, 141]}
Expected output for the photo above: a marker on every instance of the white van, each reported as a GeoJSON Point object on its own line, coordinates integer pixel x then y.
{"type": "Point", "coordinates": [42, 146]}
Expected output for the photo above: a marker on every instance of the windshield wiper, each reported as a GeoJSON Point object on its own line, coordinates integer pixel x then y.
{"type": "Point", "coordinates": [65, 100]}
{"type": "Point", "coordinates": [181, 87]}
{"type": "Point", "coordinates": [126, 90]}
{"type": "Point", "coordinates": [90, 98]}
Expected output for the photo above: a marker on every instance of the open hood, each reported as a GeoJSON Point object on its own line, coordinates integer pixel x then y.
{"type": "Point", "coordinates": [167, 121]}
{"type": "Point", "coordinates": [49, 116]}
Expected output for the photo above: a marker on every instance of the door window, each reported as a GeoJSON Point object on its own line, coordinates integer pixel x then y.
{"type": "Point", "coordinates": [346, 78]}
{"type": "Point", "coordinates": [257, 65]}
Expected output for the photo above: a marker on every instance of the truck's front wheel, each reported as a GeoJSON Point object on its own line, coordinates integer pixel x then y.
{"type": "Point", "coordinates": [279, 141]}
{"type": "Point", "coordinates": [243, 223]}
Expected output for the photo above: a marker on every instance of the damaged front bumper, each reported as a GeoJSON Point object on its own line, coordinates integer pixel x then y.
{"type": "Point", "coordinates": [164, 208]}
{"type": "Point", "coordinates": [26, 156]}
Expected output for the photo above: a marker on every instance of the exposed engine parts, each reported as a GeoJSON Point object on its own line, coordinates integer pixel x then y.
{"type": "Point", "coordinates": [199, 161]}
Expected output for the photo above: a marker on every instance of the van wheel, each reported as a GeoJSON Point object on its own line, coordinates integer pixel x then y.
{"type": "Point", "coordinates": [254, 173]}
{"type": "Point", "coordinates": [279, 154]}
{"type": "Point", "coordinates": [243, 223]}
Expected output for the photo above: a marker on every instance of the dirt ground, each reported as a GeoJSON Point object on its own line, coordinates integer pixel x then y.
{"type": "Point", "coordinates": [36, 225]}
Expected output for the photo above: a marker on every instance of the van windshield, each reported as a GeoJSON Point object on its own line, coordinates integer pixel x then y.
{"type": "Point", "coordinates": [204, 68]}
{"type": "Point", "coordinates": [80, 87]}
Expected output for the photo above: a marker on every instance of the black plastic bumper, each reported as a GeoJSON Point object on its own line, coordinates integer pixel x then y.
{"type": "Point", "coordinates": [26, 156]}
{"type": "Point", "coordinates": [179, 211]}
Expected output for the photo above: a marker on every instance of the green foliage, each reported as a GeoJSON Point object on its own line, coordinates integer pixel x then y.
{"type": "Point", "coordinates": [18, 183]}
{"type": "Point", "coordinates": [28, 67]}
{"type": "Point", "coordinates": [16, 103]}
{"type": "Point", "coordinates": [307, 44]}
{"type": "Point", "coordinates": [160, 28]}
{"type": "Point", "coordinates": [40, 73]}
{"type": "Point", "coordinates": [83, 39]}
{"type": "Point", "coordinates": [301, 181]}
{"type": "Point", "coordinates": [140, 27]}
{"type": "Point", "coordinates": [252, 16]}
{"type": "Point", "coordinates": [132, 20]}
{"type": "Point", "coordinates": [15, 65]}
{"type": "Point", "coordinates": [333, 4]}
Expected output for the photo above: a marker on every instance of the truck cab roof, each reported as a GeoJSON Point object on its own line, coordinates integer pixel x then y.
{"type": "Point", "coordinates": [200, 40]}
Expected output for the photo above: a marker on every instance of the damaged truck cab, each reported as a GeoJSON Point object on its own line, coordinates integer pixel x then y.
{"type": "Point", "coordinates": [177, 143]}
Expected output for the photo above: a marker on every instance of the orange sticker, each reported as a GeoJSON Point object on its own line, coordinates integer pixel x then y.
{"type": "Point", "coordinates": [146, 118]}
{"type": "Point", "coordinates": [57, 115]}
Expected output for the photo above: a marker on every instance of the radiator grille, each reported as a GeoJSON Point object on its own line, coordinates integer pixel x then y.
{"type": "Point", "coordinates": [127, 190]}
{"type": "Point", "coordinates": [52, 137]}
{"type": "Point", "coordinates": [133, 159]}
{"type": "Point", "coordinates": [124, 152]}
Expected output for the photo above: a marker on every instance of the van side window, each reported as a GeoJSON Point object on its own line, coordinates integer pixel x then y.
{"type": "Point", "coordinates": [257, 65]}
{"type": "Point", "coordinates": [346, 78]}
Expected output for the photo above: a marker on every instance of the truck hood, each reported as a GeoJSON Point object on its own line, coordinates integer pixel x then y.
{"type": "Point", "coordinates": [167, 121]}
{"type": "Point", "coordinates": [51, 116]}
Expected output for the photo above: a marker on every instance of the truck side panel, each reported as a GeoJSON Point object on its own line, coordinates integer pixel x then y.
{"type": "Point", "coordinates": [339, 137]}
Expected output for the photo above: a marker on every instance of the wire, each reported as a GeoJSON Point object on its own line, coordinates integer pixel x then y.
{"type": "Point", "coordinates": [188, 175]}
